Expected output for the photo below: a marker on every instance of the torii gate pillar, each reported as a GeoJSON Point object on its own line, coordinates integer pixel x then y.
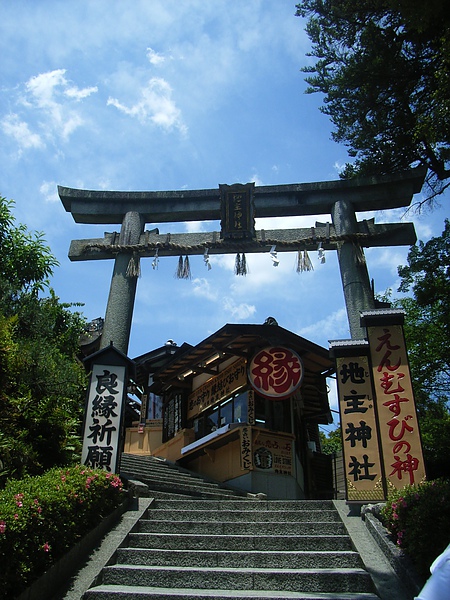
{"type": "Point", "coordinates": [119, 310]}
{"type": "Point", "coordinates": [352, 264]}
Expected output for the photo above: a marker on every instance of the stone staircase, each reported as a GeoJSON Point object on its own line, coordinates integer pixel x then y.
{"type": "Point", "coordinates": [199, 540]}
{"type": "Point", "coordinates": [163, 477]}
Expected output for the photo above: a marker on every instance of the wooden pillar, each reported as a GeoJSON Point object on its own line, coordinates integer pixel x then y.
{"type": "Point", "coordinates": [352, 263]}
{"type": "Point", "coordinates": [122, 292]}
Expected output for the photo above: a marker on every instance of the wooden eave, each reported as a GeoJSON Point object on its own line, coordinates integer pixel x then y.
{"type": "Point", "coordinates": [235, 340]}
{"type": "Point", "coordinates": [153, 361]}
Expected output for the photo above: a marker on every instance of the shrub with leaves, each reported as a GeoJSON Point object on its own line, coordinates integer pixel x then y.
{"type": "Point", "coordinates": [41, 518]}
{"type": "Point", "coordinates": [418, 517]}
{"type": "Point", "coordinates": [42, 382]}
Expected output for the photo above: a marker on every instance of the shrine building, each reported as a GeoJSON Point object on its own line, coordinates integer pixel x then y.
{"type": "Point", "coordinates": [242, 407]}
{"type": "Point", "coordinates": [245, 405]}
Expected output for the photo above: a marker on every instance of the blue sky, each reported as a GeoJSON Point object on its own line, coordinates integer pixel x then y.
{"type": "Point", "coordinates": [171, 95]}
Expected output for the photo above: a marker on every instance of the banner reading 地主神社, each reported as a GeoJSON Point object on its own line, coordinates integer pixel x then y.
{"type": "Point", "coordinates": [362, 461]}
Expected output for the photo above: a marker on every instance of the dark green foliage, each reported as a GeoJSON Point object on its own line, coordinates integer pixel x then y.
{"type": "Point", "coordinates": [427, 332]}
{"type": "Point", "coordinates": [418, 517]}
{"type": "Point", "coordinates": [26, 261]}
{"type": "Point", "coordinates": [42, 384]}
{"type": "Point", "coordinates": [332, 442]}
{"type": "Point", "coordinates": [428, 275]}
{"type": "Point", "coordinates": [41, 518]}
{"type": "Point", "coordinates": [384, 68]}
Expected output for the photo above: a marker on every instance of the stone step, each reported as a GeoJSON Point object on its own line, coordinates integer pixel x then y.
{"type": "Point", "coordinates": [156, 466]}
{"type": "Point", "coordinates": [173, 496]}
{"type": "Point", "coordinates": [129, 592]}
{"type": "Point", "coordinates": [188, 489]}
{"type": "Point", "coordinates": [165, 475]}
{"type": "Point", "coordinates": [259, 516]}
{"type": "Point", "coordinates": [146, 460]}
{"type": "Point", "coordinates": [240, 527]}
{"type": "Point", "coordinates": [199, 539]}
{"type": "Point", "coordinates": [303, 580]}
{"type": "Point", "coordinates": [175, 480]}
{"type": "Point", "coordinates": [246, 504]}
{"type": "Point", "coordinates": [248, 559]}
{"type": "Point", "coordinates": [335, 543]}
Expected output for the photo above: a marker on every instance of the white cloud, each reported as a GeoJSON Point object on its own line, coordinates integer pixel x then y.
{"type": "Point", "coordinates": [256, 179]}
{"type": "Point", "coordinates": [334, 326]}
{"type": "Point", "coordinates": [49, 189]}
{"type": "Point", "coordinates": [42, 87]}
{"type": "Point", "coordinates": [45, 86]}
{"type": "Point", "coordinates": [79, 94]}
{"type": "Point", "coordinates": [424, 231]}
{"type": "Point", "coordinates": [21, 133]}
{"type": "Point", "coordinates": [69, 124]}
{"type": "Point", "coordinates": [287, 222]}
{"type": "Point", "coordinates": [154, 57]}
{"type": "Point", "coordinates": [202, 289]}
{"type": "Point", "coordinates": [265, 280]}
{"type": "Point", "coordinates": [338, 166]}
{"type": "Point", "coordinates": [49, 93]}
{"type": "Point", "coordinates": [201, 226]}
{"type": "Point", "coordinates": [387, 259]}
{"type": "Point", "coordinates": [238, 311]}
{"type": "Point", "coordinates": [156, 105]}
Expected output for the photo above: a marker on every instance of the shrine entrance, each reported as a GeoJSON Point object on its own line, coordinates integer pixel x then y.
{"type": "Point", "coordinates": [236, 207]}
{"type": "Point", "coordinates": [223, 415]}
{"type": "Point", "coordinates": [210, 406]}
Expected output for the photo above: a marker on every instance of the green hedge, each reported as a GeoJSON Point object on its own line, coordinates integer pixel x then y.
{"type": "Point", "coordinates": [41, 518]}
{"type": "Point", "coordinates": [418, 517]}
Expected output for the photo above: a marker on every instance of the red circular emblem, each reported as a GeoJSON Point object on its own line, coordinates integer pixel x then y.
{"type": "Point", "coordinates": [275, 372]}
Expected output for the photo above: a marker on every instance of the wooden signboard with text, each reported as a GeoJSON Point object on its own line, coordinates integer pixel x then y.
{"type": "Point", "coordinates": [399, 428]}
{"type": "Point", "coordinates": [362, 462]}
{"type": "Point", "coordinates": [218, 388]}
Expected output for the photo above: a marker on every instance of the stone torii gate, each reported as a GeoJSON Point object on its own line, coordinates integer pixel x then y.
{"type": "Point", "coordinates": [340, 199]}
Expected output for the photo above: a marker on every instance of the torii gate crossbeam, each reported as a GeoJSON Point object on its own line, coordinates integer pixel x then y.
{"type": "Point", "coordinates": [340, 199]}
{"type": "Point", "coordinates": [368, 194]}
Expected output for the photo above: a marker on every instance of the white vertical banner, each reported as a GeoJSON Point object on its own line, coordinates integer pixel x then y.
{"type": "Point", "coordinates": [103, 419]}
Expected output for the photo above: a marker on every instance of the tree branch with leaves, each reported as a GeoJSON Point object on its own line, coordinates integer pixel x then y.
{"type": "Point", "coordinates": [384, 69]}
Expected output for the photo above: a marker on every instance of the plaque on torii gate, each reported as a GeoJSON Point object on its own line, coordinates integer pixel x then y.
{"type": "Point", "coordinates": [341, 199]}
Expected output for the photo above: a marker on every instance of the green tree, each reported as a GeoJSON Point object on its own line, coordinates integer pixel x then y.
{"type": "Point", "coordinates": [41, 381]}
{"type": "Point", "coordinates": [332, 442]}
{"type": "Point", "coordinates": [26, 262]}
{"type": "Point", "coordinates": [427, 333]}
{"type": "Point", "coordinates": [384, 68]}
{"type": "Point", "coordinates": [427, 275]}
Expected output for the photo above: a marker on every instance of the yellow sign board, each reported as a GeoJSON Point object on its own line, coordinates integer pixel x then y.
{"type": "Point", "coordinates": [399, 429]}
{"type": "Point", "coordinates": [217, 388]}
{"type": "Point", "coordinates": [362, 463]}
{"type": "Point", "coordinates": [272, 453]}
